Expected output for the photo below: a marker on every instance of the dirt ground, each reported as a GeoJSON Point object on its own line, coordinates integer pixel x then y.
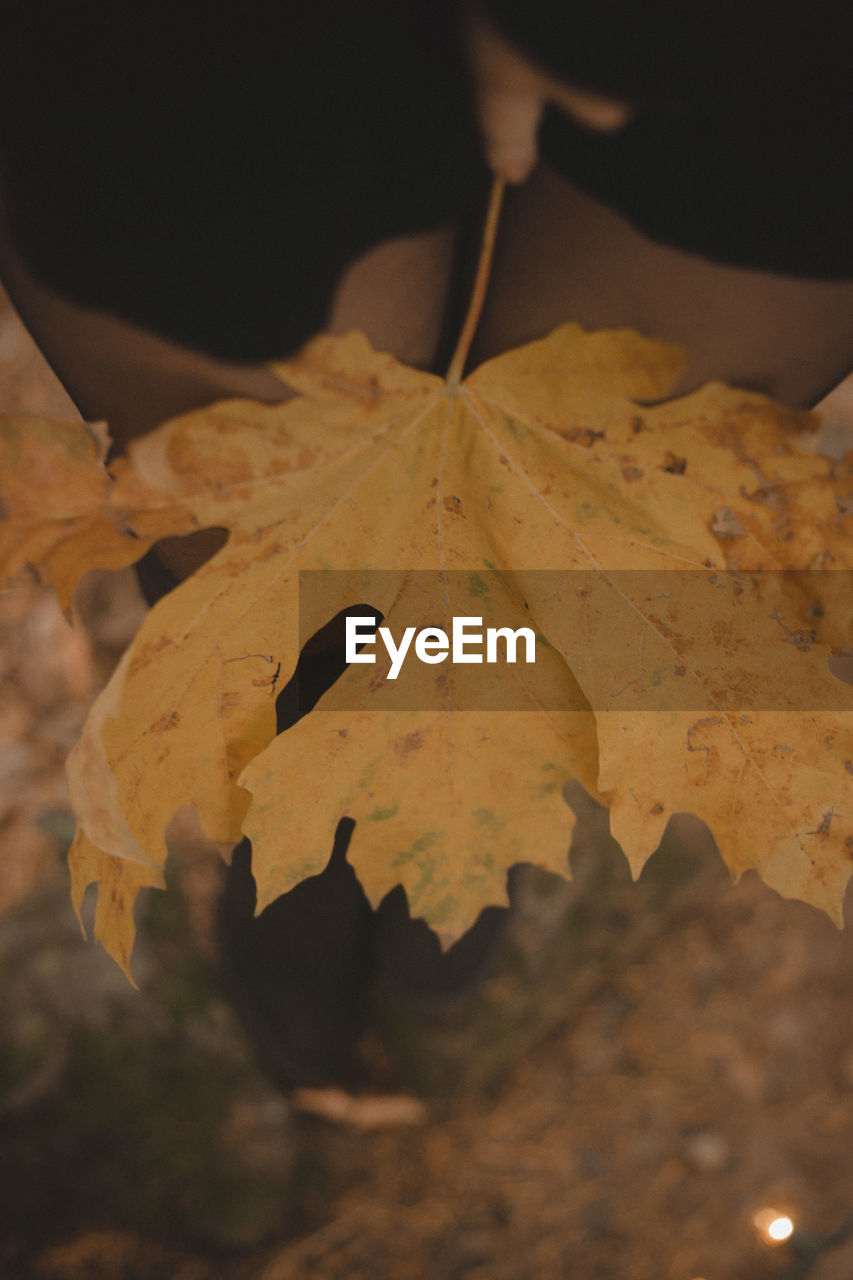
{"type": "Point", "coordinates": [641, 1071]}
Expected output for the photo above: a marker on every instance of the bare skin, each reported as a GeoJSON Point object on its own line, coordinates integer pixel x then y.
{"type": "Point", "coordinates": [563, 255]}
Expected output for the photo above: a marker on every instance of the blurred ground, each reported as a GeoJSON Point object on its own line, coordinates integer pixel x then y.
{"type": "Point", "coordinates": [643, 1068]}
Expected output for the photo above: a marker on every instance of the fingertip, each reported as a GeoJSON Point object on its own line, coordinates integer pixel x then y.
{"type": "Point", "coordinates": [513, 166]}
{"type": "Point", "coordinates": [512, 155]}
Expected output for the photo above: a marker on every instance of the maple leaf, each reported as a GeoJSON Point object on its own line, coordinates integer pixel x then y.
{"type": "Point", "coordinates": [550, 466]}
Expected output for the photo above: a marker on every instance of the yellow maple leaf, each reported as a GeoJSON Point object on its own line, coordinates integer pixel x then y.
{"type": "Point", "coordinates": [550, 489]}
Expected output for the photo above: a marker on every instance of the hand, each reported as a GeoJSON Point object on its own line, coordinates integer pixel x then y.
{"type": "Point", "coordinates": [511, 94]}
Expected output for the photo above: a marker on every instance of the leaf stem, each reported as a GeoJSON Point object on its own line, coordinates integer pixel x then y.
{"type": "Point", "coordinates": [481, 283]}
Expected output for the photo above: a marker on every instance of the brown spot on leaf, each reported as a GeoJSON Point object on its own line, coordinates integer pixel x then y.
{"type": "Point", "coordinates": [630, 472]}
{"type": "Point", "coordinates": [656, 808]}
{"type": "Point", "coordinates": [725, 524]}
{"type": "Point", "coordinates": [823, 828]}
{"type": "Point", "coordinates": [307, 458]}
{"type": "Point", "coordinates": [694, 728]}
{"type": "Point", "coordinates": [769, 495]}
{"type": "Point", "coordinates": [848, 765]}
{"type": "Point", "coordinates": [169, 721]}
{"type": "Point", "coordinates": [149, 651]}
{"type": "Point", "coordinates": [637, 425]}
{"type": "Point", "coordinates": [845, 504]}
{"type": "Point", "coordinates": [452, 503]}
{"type": "Point", "coordinates": [680, 670]}
{"type": "Point", "coordinates": [802, 640]}
{"type": "Point", "coordinates": [673, 464]}
{"type": "Point", "coordinates": [409, 743]}
{"type": "Point", "coordinates": [584, 436]}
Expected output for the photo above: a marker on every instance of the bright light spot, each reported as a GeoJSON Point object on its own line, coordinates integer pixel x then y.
{"type": "Point", "coordinates": [773, 1226]}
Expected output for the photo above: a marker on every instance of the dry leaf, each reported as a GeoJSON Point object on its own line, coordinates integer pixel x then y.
{"type": "Point", "coordinates": [55, 503]}
{"type": "Point", "coordinates": [549, 458]}
{"type": "Point", "coordinates": [369, 1111]}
